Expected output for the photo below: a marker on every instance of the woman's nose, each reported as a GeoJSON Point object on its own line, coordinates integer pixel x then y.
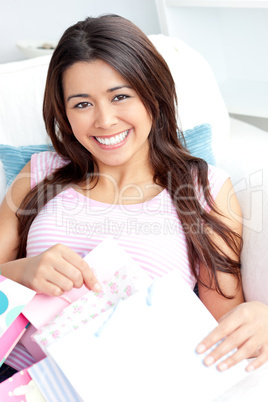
{"type": "Point", "coordinates": [105, 116]}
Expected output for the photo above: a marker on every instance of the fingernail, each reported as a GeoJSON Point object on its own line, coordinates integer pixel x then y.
{"type": "Point", "coordinates": [200, 348]}
{"type": "Point", "coordinates": [250, 368]}
{"type": "Point", "coordinates": [97, 287]}
{"type": "Point", "coordinates": [222, 366]}
{"type": "Point", "coordinates": [58, 292]}
{"type": "Point", "coordinates": [209, 360]}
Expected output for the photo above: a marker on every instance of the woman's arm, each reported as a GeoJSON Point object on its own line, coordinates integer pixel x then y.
{"type": "Point", "coordinates": [243, 327]}
{"type": "Point", "coordinates": [9, 238]}
{"type": "Point", "coordinates": [227, 203]}
{"type": "Point", "coordinates": [56, 270]}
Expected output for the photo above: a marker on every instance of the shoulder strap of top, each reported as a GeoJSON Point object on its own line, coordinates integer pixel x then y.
{"type": "Point", "coordinates": [43, 164]}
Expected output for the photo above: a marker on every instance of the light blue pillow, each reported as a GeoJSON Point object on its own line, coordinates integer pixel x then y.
{"type": "Point", "coordinates": [198, 141]}
{"type": "Point", "coordinates": [15, 158]}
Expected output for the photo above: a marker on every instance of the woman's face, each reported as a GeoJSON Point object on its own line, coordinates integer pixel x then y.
{"type": "Point", "coordinates": [106, 115]}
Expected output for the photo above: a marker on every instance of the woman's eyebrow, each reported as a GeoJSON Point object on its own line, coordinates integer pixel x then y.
{"type": "Point", "coordinates": [78, 96]}
{"type": "Point", "coordinates": [108, 90]}
{"type": "Point", "coordinates": [118, 87]}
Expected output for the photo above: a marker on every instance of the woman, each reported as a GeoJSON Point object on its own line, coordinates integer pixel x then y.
{"type": "Point", "coordinates": [110, 111]}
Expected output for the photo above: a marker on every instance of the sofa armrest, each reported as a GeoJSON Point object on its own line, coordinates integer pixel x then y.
{"type": "Point", "coordinates": [245, 158]}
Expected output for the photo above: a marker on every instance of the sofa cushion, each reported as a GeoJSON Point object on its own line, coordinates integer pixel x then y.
{"type": "Point", "coordinates": [22, 88]}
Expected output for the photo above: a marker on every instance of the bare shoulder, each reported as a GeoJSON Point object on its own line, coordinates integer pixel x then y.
{"type": "Point", "coordinates": [8, 219]}
{"type": "Point", "coordinates": [18, 189]}
{"type": "Point", "coordinates": [229, 207]}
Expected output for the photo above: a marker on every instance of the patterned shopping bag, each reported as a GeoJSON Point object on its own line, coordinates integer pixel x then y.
{"type": "Point", "coordinates": [13, 299]}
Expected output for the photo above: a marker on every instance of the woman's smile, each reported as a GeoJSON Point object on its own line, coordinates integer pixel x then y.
{"type": "Point", "coordinates": [113, 141]}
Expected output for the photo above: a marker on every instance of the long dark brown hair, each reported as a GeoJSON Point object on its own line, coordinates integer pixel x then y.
{"type": "Point", "coordinates": [124, 47]}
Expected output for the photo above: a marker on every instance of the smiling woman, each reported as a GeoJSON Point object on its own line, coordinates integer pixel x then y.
{"type": "Point", "coordinates": [110, 110]}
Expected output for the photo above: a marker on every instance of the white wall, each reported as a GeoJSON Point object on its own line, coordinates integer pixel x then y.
{"type": "Point", "coordinates": [259, 122]}
{"type": "Point", "coordinates": [47, 19]}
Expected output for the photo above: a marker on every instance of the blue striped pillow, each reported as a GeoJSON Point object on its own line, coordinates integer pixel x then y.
{"type": "Point", "coordinates": [15, 158]}
{"type": "Point", "coordinates": [199, 142]}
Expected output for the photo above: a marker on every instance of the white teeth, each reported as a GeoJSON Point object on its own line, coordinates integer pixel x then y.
{"type": "Point", "coordinates": [113, 140]}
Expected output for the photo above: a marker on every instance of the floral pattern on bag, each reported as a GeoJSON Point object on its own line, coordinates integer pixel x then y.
{"type": "Point", "coordinates": [124, 283]}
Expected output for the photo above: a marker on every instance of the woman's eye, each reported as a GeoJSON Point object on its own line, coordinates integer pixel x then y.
{"type": "Point", "coordinates": [120, 97]}
{"type": "Point", "coordinates": [82, 105]}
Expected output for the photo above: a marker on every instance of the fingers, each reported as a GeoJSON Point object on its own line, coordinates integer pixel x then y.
{"type": "Point", "coordinates": [49, 288]}
{"type": "Point", "coordinates": [79, 271]}
{"type": "Point", "coordinates": [59, 269]}
{"type": "Point", "coordinates": [241, 334]}
{"type": "Point", "coordinates": [234, 349]}
{"type": "Point", "coordinates": [239, 355]}
{"type": "Point", "coordinates": [260, 360]}
{"type": "Point", "coordinates": [227, 327]}
{"type": "Point", "coordinates": [247, 349]}
{"type": "Point", "coordinates": [89, 278]}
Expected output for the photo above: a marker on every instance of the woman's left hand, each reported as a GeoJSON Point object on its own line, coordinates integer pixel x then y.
{"type": "Point", "coordinates": [244, 332]}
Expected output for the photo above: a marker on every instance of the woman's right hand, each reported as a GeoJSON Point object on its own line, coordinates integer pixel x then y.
{"type": "Point", "coordinates": [56, 271]}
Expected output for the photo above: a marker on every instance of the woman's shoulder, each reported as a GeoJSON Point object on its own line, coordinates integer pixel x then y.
{"type": "Point", "coordinates": [216, 178]}
{"type": "Point", "coordinates": [45, 163]}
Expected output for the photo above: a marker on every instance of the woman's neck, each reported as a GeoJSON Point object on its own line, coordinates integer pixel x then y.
{"type": "Point", "coordinates": [117, 185]}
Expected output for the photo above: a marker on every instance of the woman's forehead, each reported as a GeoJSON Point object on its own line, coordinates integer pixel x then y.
{"type": "Point", "coordinates": [92, 76]}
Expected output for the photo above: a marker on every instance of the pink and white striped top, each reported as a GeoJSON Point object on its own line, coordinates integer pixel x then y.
{"type": "Point", "coordinates": [150, 232]}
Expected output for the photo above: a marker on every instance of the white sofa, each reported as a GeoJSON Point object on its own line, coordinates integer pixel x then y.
{"type": "Point", "coordinates": [238, 147]}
